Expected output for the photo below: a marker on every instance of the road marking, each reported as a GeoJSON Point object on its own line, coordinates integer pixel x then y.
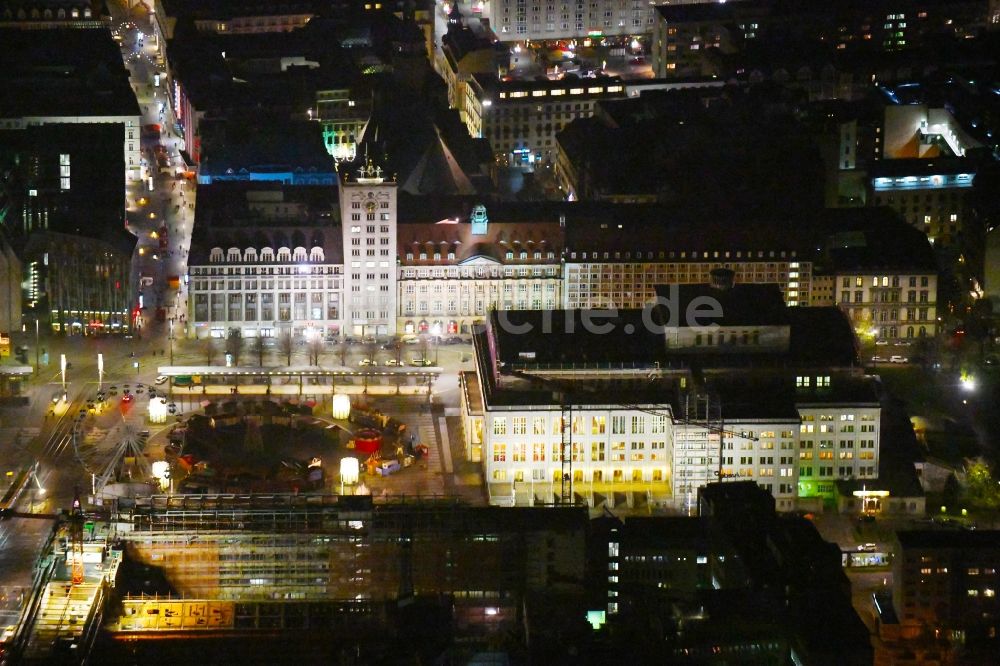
{"type": "Point", "coordinates": [445, 446]}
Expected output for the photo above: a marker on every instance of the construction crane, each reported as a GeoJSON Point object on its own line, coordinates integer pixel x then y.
{"type": "Point", "coordinates": [564, 391]}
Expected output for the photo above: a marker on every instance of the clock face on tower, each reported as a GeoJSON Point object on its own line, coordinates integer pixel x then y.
{"type": "Point", "coordinates": [370, 206]}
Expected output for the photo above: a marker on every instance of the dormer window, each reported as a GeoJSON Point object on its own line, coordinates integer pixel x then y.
{"type": "Point", "coordinates": [509, 255]}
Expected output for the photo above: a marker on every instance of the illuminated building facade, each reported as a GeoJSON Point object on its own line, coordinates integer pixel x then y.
{"type": "Point", "coordinates": [521, 118]}
{"type": "Point", "coordinates": [368, 219]}
{"type": "Point", "coordinates": [517, 20]}
{"type": "Point", "coordinates": [452, 273]}
{"type": "Point", "coordinates": [79, 285]}
{"type": "Point", "coordinates": [283, 273]}
{"type": "Point", "coordinates": [644, 429]}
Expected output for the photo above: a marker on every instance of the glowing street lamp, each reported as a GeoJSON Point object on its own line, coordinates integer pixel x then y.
{"type": "Point", "coordinates": [968, 383]}
{"type": "Point", "coordinates": [350, 471]}
{"type": "Point", "coordinates": [341, 407]}
{"type": "Point", "coordinates": [62, 369]}
{"type": "Point", "coordinates": [158, 410]}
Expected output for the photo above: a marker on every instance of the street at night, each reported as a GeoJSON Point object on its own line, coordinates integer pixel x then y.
{"type": "Point", "coordinates": [482, 331]}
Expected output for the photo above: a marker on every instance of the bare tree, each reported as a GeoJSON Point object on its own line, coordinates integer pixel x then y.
{"type": "Point", "coordinates": [371, 350]}
{"type": "Point", "coordinates": [257, 348]}
{"type": "Point", "coordinates": [315, 348]}
{"type": "Point", "coordinates": [397, 351]}
{"type": "Point", "coordinates": [211, 350]}
{"type": "Point", "coordinates": [235, 344]}
{"type": "Point", "coordinates": [342, 351]}
{"type": "Point", "coordinates": [286, 345]}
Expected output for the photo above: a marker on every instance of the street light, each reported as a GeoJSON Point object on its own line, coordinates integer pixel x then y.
{"type": "Point", "coordinates": [170, 338]}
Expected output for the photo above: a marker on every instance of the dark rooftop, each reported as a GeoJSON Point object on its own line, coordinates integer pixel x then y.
{"type": "Point", "coordinates": [63, 73]}
{"type": "Point", "coordinates": [958, 539]}
{"type": "Point", "coordinates": [740, 305]}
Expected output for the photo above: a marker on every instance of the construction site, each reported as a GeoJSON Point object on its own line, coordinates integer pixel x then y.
{"type": "Point", "coordinates": [211, 567]}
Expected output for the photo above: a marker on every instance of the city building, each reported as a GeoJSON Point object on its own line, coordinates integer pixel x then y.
{"type": "Point", "coordinates": [945, 587]}
{"type": "Point", "coordinates": [453, 271]}
{"type": "Point", "coordinates": [265, 259]}
{"type": "Point", "coordinates": [462, 55]}
{"type": "Point", "coordinates": [45, 14]}
{"type": "Point", "coordinates": [644, 426]}
{"type": "Point", "coordinates": [721, 149]}
{"type": "Point", "coordinates": [520, 21]}
{"type": "Point", "coordinates": [79, 285]}
{"type": "Point", "coordinates": [728, 583]}
{"type": "Point", "coordinates": [348, 563]}
{"type": "Point", "coordinates": [368, 221]}
{"type": "Point", "coordinates": [688, 39]}
{"type": "Point", "coordinates": [69, 76]}
{"type": "Point", "coordinates": [451, 259]}
{"type": "Point", "coordinates": [916, 131]}
{"type": "Point", "coordinates": [930, 194]}
{"type": "Point", "coordinates": [62, 207]}
{"type": "Point", "coordinates": [521, 118]}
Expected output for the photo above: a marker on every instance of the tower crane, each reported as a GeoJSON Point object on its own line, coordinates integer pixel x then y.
{"type": "Point", "coordinates": [565, 391]}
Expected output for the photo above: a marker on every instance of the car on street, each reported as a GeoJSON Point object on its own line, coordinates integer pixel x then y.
{"type": "Point", "coordinates": [453, 340]}
{"type": "Point", "coordinates": [127, 398]}
{"type": "Point", "coordinates": [421, 362]}
{"type": "Point", "coordinates": [878, 359]}
{"type": "Point", "coordinates": [162, 379]}
{"type": "Point", "coordinates": [881, 341]}
{"type": "Point", "coordinates": [367, 361]}
{"type": "Point", "coordinates": [896, 358]}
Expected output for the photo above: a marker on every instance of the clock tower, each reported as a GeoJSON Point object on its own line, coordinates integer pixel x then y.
{"type": "Point", "coordinates": [368, 219]}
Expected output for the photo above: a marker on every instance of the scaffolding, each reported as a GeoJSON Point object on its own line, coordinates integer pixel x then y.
{"type": "Point", "coordinates": [336, 547]}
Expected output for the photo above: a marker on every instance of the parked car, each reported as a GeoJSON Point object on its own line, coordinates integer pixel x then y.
{"type": "Point", "coordinates": [162, 379]}
{"type": "Point", "coordinates": [393, 362]}
{"type": "Point", "coordinates": [878, 359]}
{"type": "Point", "coordinates": [421, 362]}
{"type": "Point", "coordinates": [367, 361]}
{"type": "Point", "coordinates": [127, 398]}
{"type": "Point", "coordinates": [881, 341]}
{"type": "Point", "coordinates": [896, 358]}
{"type": "Point", "coordinates": [454, 340]}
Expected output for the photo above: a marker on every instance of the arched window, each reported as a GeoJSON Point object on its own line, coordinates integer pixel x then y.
{"type": "Point", "coordinates": [266, 254]}
{"type": "Point", "coordinates": [284, 254]}
{"type": "Point", "coordinates": [233, 254]}
{"type": "Point", "coordinates": [215, 254]}
{"type": "Point", "coordinates": [316, 254]}
{"type": "Point", "coordinates": [250, 254]}
{"type": "Point", "coordinates": [300, 254]}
